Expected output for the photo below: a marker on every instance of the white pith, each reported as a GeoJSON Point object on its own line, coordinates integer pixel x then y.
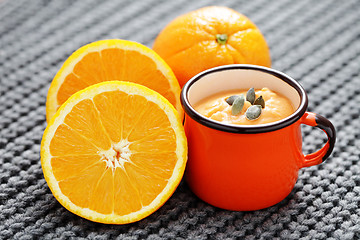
{"type": "Point", "coordinates": [117, 155]}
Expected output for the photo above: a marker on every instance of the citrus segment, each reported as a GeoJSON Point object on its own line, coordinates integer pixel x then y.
{"type": "Point", "coordinates": [79, 187]}
{"type": "Point", "coordinates": [102, 197]}
{"type": "Point", "coordinates": [157, 163]}
{"type": "Point", "coordinates": [109, 60]}
{"type": "Point", "coordinates": [147, 184]}
{"type": "Point", "coordinates": [84, 119]}
{"type": "Point", "coordinates": [112, 120]}
{"type": "Point", "coordinates": [124, 189]}
{"type": "Point", "coordinates": [114, 152]}
{"type": "Point", "coordinates": [113, 60]}
{"type": "Point", "coordinates": [71, 142]}
{"type": "Point", "coordinates": [89, 69]}
{"type": "Point", "coordinates": [68, 166]}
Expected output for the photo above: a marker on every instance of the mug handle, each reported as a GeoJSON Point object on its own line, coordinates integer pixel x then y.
{"type": "Point", "coordinates": [316, 120]}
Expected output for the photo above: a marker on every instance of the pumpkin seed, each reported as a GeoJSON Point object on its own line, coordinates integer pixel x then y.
{"type": "Point", "coordinates": [260, 101]}
{"type": "Point", "coordinates": [250, 95]}
{"type": "Point", "coordinates": [238, 105]}
{"type": "Point", "coordinates": [253, 112]}
{"type": "Point", "coordinates": [230, 100]}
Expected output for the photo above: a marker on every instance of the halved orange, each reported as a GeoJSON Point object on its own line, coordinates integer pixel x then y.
{"type": "Point", "coordinates": [109, 60]}
{"type": "Point", "coordinates": [114, 152]}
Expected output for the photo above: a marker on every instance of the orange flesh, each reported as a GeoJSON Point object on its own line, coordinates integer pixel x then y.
{"type": "Point", "coordinates": [115, 64]}
{"type": "Point", "coordinates": [216, 108]}
{"type": "Point", "coordinates": [144, 153]}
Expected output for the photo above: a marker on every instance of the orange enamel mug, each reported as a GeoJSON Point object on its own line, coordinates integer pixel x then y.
{"type": "Point", "coordinates": [241, 167]}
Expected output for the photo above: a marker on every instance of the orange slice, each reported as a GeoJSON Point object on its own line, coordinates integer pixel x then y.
{"type": "Point", "coordinates": [114, 152]}
{"type": "Point", "coordinates": [109, 60]}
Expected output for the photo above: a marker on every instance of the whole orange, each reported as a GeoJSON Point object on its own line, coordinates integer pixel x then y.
{"type": "Point", "coordinates": [210, 37]}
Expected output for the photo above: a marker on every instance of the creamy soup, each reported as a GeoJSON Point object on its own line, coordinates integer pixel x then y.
{"type": "Point", "coordinates": [216, 108]}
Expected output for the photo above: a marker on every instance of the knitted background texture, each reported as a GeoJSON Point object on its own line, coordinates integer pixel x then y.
{"type": "Point", "coordinates": [315, 42]}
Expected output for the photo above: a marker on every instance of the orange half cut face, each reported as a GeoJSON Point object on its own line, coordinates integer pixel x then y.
{"type": "Point", "coordinates": [109, 60]}
{"type": "Point", "coordinates": [114, 152]}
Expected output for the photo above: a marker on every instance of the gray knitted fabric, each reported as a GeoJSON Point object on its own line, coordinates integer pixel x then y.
{"type": "Point", "coordinates": [315, 42]}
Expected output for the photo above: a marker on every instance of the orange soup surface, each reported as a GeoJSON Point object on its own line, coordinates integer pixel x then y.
{"type": "Point", "coordinates": [216, 108]}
